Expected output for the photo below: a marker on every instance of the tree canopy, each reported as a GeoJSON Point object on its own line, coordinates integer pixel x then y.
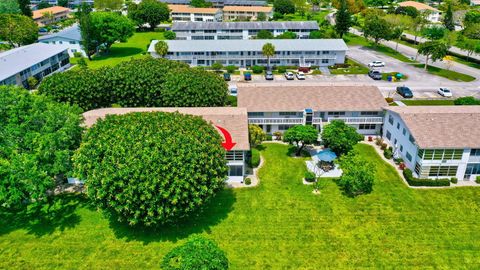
{"type": "Point", "coordinates": [268, 50]}
{"type": "Point", "coordinates": [38, 137]}
{"type": "Point", "coordinates": [358, 174]}
{"type": "Point", "coordinates": [340, 137]}
{"type": "Point", "coordinates": [433, 50]}
{"type": "Point", "coordinates": [9, 7]}
{"type": "Point", "coordinates": [264, 34]}
{"type": "Point", "coordinates": [256, 135]}
{"type": "Point", "coordinates": [343, 19]}
{"type": "Point", "coordinates": [198, 253]}
{"type": "Point", "coordinates": [108, 5]}
{"type": "Point", "coordinates": [152, 12]}
{"type": "Point", "coordinates": [25, 7]}
{"type": "Point", "coordinates": [300, 136]}
{"type": "Point", "coordinates": [200, 4]}
{"type": "Point", "coordinates": [161, 48]}
{"type": "Point", "coordinates": [448, 18]}
{"type": "Point", "coordinates": [151, 168]}
{"type": "Point", "coordinates": [377, 28]}
{"type": "Point", "coordinates": [433, 32]}
{"type": "Point", "coordinates": [284, 6]}
{"type": "Point", "coordinates": [18, 30]}
{"type": "Point", "coordinates": [287, 35]}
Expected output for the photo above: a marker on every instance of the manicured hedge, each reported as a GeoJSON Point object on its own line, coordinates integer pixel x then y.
{"type": "Point", "coordinates": [255, 159]}
{"type": "Point", "coordinates": [416, 182]}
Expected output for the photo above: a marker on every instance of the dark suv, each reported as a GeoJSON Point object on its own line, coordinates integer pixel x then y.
{"type": "Point", "coordinates": [404, 92]}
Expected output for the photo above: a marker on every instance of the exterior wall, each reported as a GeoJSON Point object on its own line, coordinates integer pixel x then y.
{"type": "Point", "coordinates": [56, 17]}
{"type": "Point", "coordinates": [434, 17]}
{"type": "Point", "coordinates": [235, 34]}
{"type": "Point", "coordinates": [40, 70]}
{"type": "Point", "coordinates": [195, 17]}
{"type": "Point", "coordinates": [243, 15]}
{"type": "Point", "coordinates": [72, 45]}
{"type": "Point", "coordinates": [251, 58]}
{"type": "Point", "coordinates": [236, 159]}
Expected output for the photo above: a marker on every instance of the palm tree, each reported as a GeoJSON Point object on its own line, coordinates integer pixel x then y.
{"type": "Point", "coordinates": [268, 50]}
{"type": "Point", "coordinates": [161, 48]}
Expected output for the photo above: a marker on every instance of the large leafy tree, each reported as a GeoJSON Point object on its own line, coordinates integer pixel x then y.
{"type": "Point", "coordinates": [152, 12]}
{"type": "Point", "coordinates": [256, 135]}
{"type": "Point", "coordinates": [340, 137]}
{"type": "Point", "coordinates": [358, 174]}
{"type": "Point", "coordinates": [377, 28]}
{"type": "Point", "coordinates": [18, 30]}
{"type": "Point", "coordinates": [469, 45]}
{"type": "Point", "coordinates": [471, 17]}
{"type": "Point", "coordinates": [194, 88]}
{"type": "Point", "coordinates": [264, 34]}
{"type": "Point", "coordinates": [151, 168]}
{"type": "Point", "coordinates": [43, 4]}
{"type": "Point", "coordinates": [37, 139]}
{"type": "Point", "coordinates": [110, 27]}
{"type": "Point", "coordinates": [268, 50]}
{"type": "Point", "coordinates": [25, 7]}
{"type": "Point", "coordinates": [448, 18]}
{"type": "Point", "coordinates": [108, 5]}
{"type": "Point", "coordinates": [433, 32]}
{"type": "Point", "coordinates": [87, 30]}
{"type": "Point", "coordinates": [400, 23]}
{"type": "Point", "coordinates": [9, 7]}
{"type": "Point", "coordinates": [433, 50]}
{"type": "Point", "coordinates": [408, 11]}
{"type": "Point", "coordinates": [200, 4]}
{"type": "Point", "coordinates": [161, 48]}
{"type": "Point", "coordinates": [343, 20]}
{"type": "Point", "coordinates": [198, 253]}
{"type": "Point", "coordinates": [300, 136]}
{"type": "Point", "coordinates": [284, 6]}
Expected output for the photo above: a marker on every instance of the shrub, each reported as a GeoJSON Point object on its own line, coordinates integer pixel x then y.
{"type": "Point", "coordinates": [402, 166]}
{"type": "Point", "coordinates": [477, 180]}
{"type": "Point", "coordinates": [248, 181]}
{"type": "Point", "coordinates": [255, 158]}
{"type": "Point", "coordinates": [370, 138]}
{"type": "Point", "coordinates": [128, 177]}
{"type": "Point", "coordinates": [282, 69]}
{"type": "Point", "coordinates": [169, 35]}
{"type": "Point", "coordinates": [389, 100]}
{"type": "Point", "coordinates": [358, 174]}
{"type": "Point", "coordinates": [77, 54]}
{"type": "Point", "coordinates": [466, 101]}
{"type": "Point", "coordinates": [256, 135]}
{"type": "Point", "coordinates": [32, 82]}
{"type": "Point", "coordinates": [231, 69]}
{"type": "Point", "coordinates": [388, 154]}
{"type": "Point", "coordinates": [257, 69]}
{"type": "Point", "coordinates": [197, 253]}
{"type": "Point", "coordinates": [278, 135]}
{"type": "Point", "coordinates": [378, 141]}
{"type": "Point", "coordinates": [383, 146]}
{"type": "Point", "coordinates": [398, 160]}
{"type": "Point", "coordinates": [454, 180]}
{"type": "Point", "coordinates": [412, 181]}
{"type": "Point", "coordinates": [310, 177]}
{"type": "Point", "coordinates": [269, 137]}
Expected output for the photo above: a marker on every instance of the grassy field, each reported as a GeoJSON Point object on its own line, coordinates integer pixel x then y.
{"type": "Point", "coordinates": [427, 102]}
{"type": "Point", "coordinates": [354, 40]}
{"type": "Point", "coordinates": [449, 74]}
{"type": "Point", "coordinates": [355, 68]}
{"type": "Point", "coordinates": [278, 225]}
{"type": "Point", "coordinates": [135, 47]}
{"type": "Point", "coordinates": [315, 16]}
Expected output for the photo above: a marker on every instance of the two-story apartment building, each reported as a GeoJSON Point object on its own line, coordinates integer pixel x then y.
{"type": "Point", "coordinates": [232, 13]}
{"type": "Point", "coordinates": [234, 120]}
{"type": "Point", "coordinates": [239, 30]}
{"type": "Point", "coordinates": [433, 15]}
{"type": "Point", "coordinates": [220, 3]}
{"type": "Point", "coordinates": [68, 37]}
{"type": "Point", "coordinates": [245, 53]}
{"type": "Point", "coordinates": [436, 141]}
{"type": "Point", "coordinates": [184, 13]}
{"type": "Point", "coordinates": [46, 16]}
{"type": "Point", "coordinates": [281, 107]}
{"type": "Point", "coordinates": [36, 60]}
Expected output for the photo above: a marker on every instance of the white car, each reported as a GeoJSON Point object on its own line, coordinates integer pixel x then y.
{"type": "Point", "coordinates": [289, 75]}
{"type": "Point", "coordinates": [233, 90]}
{"type": "Point", "coordinates": [376, 64]}
{"type": "Point", "coordinates": [300, 76]}
{"type": "Point", "coordinates": [444, 92]}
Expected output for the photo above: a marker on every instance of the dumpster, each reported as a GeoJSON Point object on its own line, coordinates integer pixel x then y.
{"type": "Point", "coordinates": [399, 76]}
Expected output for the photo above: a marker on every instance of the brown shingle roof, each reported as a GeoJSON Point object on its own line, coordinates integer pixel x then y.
{"type": "Point", "coordinates": [320, 98]}
{"type": "Point", "coordinates": [248, 9]}
{"type": "Point", "coordinates": [442, 126]}
{"type": "Point", "coordinates": [232, 119]}
{"type": "Point", "coordinates": [189, 9]}
{"type": "Point", "coordinates": [37, 14]}
{"type": "Point", "coordinates": [417, 5]}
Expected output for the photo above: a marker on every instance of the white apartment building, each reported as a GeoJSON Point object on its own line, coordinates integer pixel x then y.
{"type": "Point", "coordinates": [36, 60]}
{"type": "Point", "coordinates": [232, 13]}
{"type": "Point", "coordinates": [220, 3]}
{"type": "Point", "coordinates": [434, 15]}
{"type": "Point", "coordinates": [69, 37]}
{"type": "Point", "coordinates": [279, 108]}
{"type": "Point", "coordinates": [184, 13]}
{"type": "Point", "coordinates": [239, 30]}
{"type": "Point", "coordinates": [436, 141]}
{"type": "Point", "coordinates": [245, 53]}
{"type": "Point", "coordinates": [233, 119]}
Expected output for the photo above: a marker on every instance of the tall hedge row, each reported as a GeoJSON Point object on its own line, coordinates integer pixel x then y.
{"type": "Point", "coordinates": [137, 83]}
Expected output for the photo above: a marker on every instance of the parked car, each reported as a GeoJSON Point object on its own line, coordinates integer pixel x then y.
{"type": "Point", "coordinates": [444, 92]}
{"type": "Point", "coordinates": [233, 90]}
{"type": "Point", "coordinates": [247, 76]}
{"type": "Point", "coordinates": [268, 75]}
{"type": "Point", "coordinates": [376, 64]}
{"type": "Point", "coordinates": [300, 76]}
{"type": "Point", "coordinates": [289, 75]}
{"type": "Point", "coordinates": [375, 74]}
{"type": "Point", "coordinates": [226, 76]}
{"type": "Point", "coordinates": [404, 92]}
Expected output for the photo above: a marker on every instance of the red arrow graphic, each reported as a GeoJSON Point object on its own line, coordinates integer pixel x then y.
{"type": "Point", "coordinates": [228, 144]}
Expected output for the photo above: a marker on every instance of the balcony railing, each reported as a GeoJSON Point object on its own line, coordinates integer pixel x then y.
{"type": "Point", "coordinates": [252, 57]}
{"type": "Point", "coordinates": [263, 121]}
{"type": "Point", "coordinates": [358, 120]}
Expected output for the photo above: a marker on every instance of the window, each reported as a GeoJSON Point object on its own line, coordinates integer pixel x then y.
{"type": "Point", "coordinates": [287, 113]}
{"type": "Point", "coordinates": [440, 154]}
{"type": "Point", "coordinates": [398, 125]}
{"type": "Point", "coordinates": [390, 120]}
{"type": "Point", "coordinates": [420, 153]}
{"type": "Point", "coordinates": [411, 139]}
{"type": "Point", "coordinates": [283, 127]}
{"type": "Point", "coordinates": [436, 171]}
{"type": "Point", "coordinates": [395, 142]}
{"type": "Point", "coordinates": [368, 113]}
{"type": "Point", "coordinates": [335, 114]}
{"type": "Point", "coordinates": [235, 170]}
{"type": "Point", "coordinates": [401, 148]}
{"type": "Point", "coordinates": [234, 155]}
{"type": "Point", "coordinates": [404, 132]}
{"type": "Point", "coordinates": [389, 135]}
{"type": "Point", "coordinates": [475, 152]}
{"type": "Point", "coordinates": [252, 114]}
{"type": "Point", "coordinates": [367, 126]}
{"type": "Point", "coordinates": [409, 157]}
{"type": "Point", "coordinates": [325, 61]}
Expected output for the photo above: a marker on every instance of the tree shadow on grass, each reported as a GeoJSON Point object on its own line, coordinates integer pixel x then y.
{"type": "Point", "coordinates": [58, 213]}
{"type": "Point", "coordinates": [292, 150]}
{"type": "Point", "coordinates": [117, 52]}
{"type": "Point", "coordinates": [202, 220]}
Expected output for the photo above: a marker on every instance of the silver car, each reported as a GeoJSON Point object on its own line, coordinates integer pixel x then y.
{"type": "Point", "coordinates": [289, 75]}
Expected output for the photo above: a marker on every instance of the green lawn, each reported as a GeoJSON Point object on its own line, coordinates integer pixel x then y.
{"type": "Point", "coordinates": [449, 74]}
{"type": "Point", "coordinates": [354, 40]}
{"type": "Point", "coordinates": [354, 68]}
{"type": "Point", "coordinates": [427, 102]}
{"type": "Point", "coordinates": [316, 16]}
{"type": "Point", "coordinates": [278, 225]}
{"type": "Point", "coordinates": [135, 47]}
